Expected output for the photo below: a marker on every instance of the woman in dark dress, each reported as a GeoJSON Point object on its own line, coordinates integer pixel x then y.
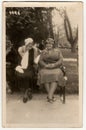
{"type": "Point", "coordinates": [26, 70]}
{"type": "Point", "coordinates": [11, 62]}
{"type": "Point", "coordinates": [50, 73]}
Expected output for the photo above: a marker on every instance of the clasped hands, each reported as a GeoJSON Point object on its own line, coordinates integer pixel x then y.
{"type": "Point", "coordinates": [50, 66]}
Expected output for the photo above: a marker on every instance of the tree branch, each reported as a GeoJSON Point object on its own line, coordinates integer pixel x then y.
{"type": "Point", "coordinates": [76, 37]}
{"type": "Point", "coordinates": [69, 26]}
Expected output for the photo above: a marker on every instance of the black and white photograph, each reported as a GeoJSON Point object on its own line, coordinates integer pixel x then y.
{"type": "Point", "coordinates": [42, 64]}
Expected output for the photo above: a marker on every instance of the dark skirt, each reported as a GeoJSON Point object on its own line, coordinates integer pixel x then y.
{"type": "Point", "coordinates": [26, 78]}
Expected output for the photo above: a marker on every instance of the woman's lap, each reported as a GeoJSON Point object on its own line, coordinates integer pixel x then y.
{"type": "Point", "coordinates": [53, 75]}
{"type": "Point", "coordinates": [51, 71]}
{"type": "Point", "coordinates": [26, 78]}
{"type": "Point", "coordinates": [26, 74]}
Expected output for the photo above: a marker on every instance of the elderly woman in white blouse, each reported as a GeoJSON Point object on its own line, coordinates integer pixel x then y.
{"type": "Point", "coordinates": [26, 68]}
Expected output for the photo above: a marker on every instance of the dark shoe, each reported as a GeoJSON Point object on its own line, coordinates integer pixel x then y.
{"type": "Point", "coordinates": [54, 99]}
{"type": "Point", "coordinates": [49, 100]}
{"type": "Point", "coordinates": [29, 94]}
{"type": "Point", "coordinates": [25, 99]}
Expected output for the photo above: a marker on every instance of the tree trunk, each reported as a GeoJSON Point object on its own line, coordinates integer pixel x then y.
{"type": "Point", "coordinates": [50, 24]}
{"type": "Point", "coordinates": [73, 47]}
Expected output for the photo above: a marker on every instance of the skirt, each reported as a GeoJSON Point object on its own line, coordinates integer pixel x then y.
{"type": "Point", "coordinates": [51, 75]}
{"type": "Point", "coordinates": [26, 78]}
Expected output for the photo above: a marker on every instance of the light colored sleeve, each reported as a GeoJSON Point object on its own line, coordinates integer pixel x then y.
{"type": "Point", "coordinates": [21, 51]}
{"type": "Point", "coordinates": [42, 63]}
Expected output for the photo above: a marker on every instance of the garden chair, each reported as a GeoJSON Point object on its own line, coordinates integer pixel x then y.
{"type": "Point", "coordinates": [62, 88]}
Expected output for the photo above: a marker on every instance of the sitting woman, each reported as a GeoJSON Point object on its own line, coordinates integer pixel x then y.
{"type": "Point", "coordinates": [26, 70]}
{"type": "Point", "coordinates": [50, 73]}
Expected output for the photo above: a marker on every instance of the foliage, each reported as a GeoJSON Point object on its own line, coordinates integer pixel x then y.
{"type": "Point", "coordinates": [73, 79]}
{"type": "Point", "coordinates": [69, 33]}
{"type": "Point", "coordinates": [32, 22]}
{"type": "Point", "coordinates": [72, 36]}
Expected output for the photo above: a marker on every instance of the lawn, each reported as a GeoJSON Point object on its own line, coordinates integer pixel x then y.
{"type": "Point", "coordinates": [72, 74]}
{"type": "Point", "coordinates": [72, 86]}
{"type": "Point", "coordinates": [71, 71]}
{"type": "Point", "coordinates": [68, 54]}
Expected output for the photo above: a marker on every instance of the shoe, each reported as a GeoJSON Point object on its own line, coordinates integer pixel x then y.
{"type": "Point", "coordinates": [25, 99]}
{"type": "Point", "coordinates": [29, 93]}
{"type": "Point", "coordinates": [49, 100]}
{"type": "Point", "coordinates": [54, 99]}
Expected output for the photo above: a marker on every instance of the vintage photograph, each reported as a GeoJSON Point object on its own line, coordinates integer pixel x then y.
{"type": "Point", "coordinates": [42, 64]}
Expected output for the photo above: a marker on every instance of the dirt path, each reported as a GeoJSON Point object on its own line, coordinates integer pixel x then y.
{"type": "Point", "coordinates": [39, 113]}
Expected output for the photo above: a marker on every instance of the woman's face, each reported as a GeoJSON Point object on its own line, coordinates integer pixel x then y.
{"type": "Point", "coordinates": [29, 46]}
{"type": "Point", "coordinates": [49, 46]}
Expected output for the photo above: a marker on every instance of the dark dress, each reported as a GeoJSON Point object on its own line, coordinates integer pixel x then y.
{"type": "Point", "coordinates": [11, 62]}
{"type": "Point", "coordinates": [29, 73]}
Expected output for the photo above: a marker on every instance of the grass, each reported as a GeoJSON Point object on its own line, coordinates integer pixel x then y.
{"type": "Point", "coordinates": [72, 86]}
{"type": "Point", "coordinates": [68, 54]}
{"type": "Point", "coordinates": [72, 74]}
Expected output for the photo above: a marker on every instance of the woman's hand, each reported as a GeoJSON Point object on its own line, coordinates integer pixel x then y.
{"type": "Point", "coordinates": [49, 66]}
